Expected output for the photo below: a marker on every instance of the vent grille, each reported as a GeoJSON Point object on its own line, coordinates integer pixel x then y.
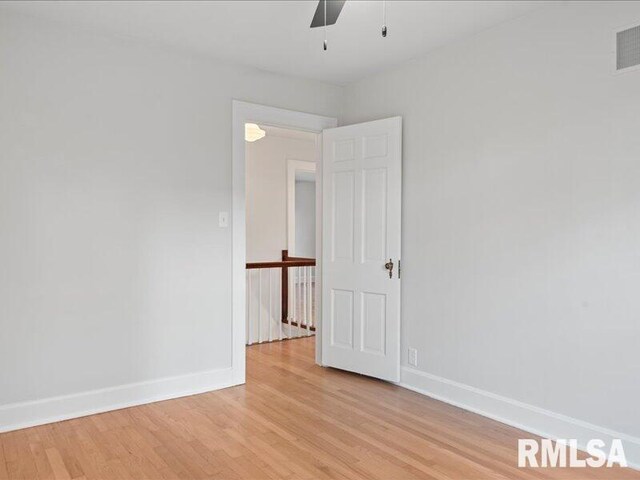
{"type": "Point", "coordinates": [628, 48]}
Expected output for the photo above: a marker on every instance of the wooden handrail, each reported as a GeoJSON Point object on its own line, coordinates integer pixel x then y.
{"type": "Point", "coordinates": [306, 262]}
{"type": "Point", "coordinates": [299, 258]}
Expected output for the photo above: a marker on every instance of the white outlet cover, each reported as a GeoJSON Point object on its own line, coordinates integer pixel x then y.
{"type": "Point", "coordinates": [413, 357]}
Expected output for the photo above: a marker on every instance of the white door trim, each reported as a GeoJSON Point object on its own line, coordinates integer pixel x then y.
{"type": "Point", "coordinates": [244, 112]}
{"type": "Point", "coordinates": [294, 166]}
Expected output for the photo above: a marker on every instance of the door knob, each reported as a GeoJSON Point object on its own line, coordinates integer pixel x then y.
{"type": "Point", "coordinates": [389, 266]}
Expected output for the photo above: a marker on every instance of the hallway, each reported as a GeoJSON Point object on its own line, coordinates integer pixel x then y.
{"type": "Point", "coordinates": [292, 419]}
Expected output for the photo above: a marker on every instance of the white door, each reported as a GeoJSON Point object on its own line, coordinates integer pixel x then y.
{"type": "Point", "coordinates": [362, 186]}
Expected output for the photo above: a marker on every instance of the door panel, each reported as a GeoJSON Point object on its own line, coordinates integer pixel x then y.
{"type": "Point", "coordinates": [362, 190]}
{"type": "Point", "coordinates": [374, 323]}
{"type": "Point", "coordinates": [344, 150]}
{"type": "Point", "coordinates": [342, 318]}
{"type": "Point", "coordinates": [374, 215]}
{"type": "Point", "coordinates": [343, 215]}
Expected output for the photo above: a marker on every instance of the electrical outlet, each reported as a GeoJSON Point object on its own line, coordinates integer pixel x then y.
{"type": "Point", "coordinates": [413, 357]}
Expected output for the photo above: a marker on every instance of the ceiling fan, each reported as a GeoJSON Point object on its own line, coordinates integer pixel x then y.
{"type": "Point", "coordinates": [328, 11]}
{"type": "Point", "coordinates": [334, 7]}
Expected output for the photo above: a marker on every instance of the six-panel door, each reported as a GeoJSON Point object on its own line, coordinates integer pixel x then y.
{"type": "Point", "coordinates": [362, 169]}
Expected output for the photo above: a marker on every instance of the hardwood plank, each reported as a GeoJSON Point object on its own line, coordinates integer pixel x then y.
{"type": "Point", "coordinates": [292, 420]}
{"type": "Point", "coordinates": [60, 472]}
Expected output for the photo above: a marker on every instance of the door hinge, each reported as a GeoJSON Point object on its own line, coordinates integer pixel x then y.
{"type": "Point", "coordinates": [399, 268]}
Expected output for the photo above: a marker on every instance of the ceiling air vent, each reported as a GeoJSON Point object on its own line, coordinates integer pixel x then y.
{"type": "Point", "coordinates": [628, 48]}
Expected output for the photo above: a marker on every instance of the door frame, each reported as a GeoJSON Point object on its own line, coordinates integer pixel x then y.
{"type": "Point", "coordinates": [244, 112]}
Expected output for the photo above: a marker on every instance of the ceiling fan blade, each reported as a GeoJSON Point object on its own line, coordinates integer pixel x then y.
{"type": "Point", "coordinates": [334, 7]}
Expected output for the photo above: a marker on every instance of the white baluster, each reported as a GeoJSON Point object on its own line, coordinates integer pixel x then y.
{"type": "Point", "coordinates": [292, 295]}
{"type": "Point", "coordinates": [310, 302]}
{"type": "Point", "coordinates": [310, 305]}
{"type": "Point", "coordinates": [303, 306]}
{"type": "Point", "coordinates": [248, 320]}
{"type": "Point", "coordinates": [303, 316]}
{"type": "Point", "coordinates": [279, 303]}
{"type": "Point", "coordinates": [259, 305]}
{"type": "Point", "coordinates": [269, 272]}
{"type": "Point", "coordinates": [296, 300]}
{"type": "Point", "coordinates": [299, 302]}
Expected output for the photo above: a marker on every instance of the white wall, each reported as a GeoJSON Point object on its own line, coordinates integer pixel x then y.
{"type": "Point", "coordinates": [266, 193]}
{"type": "Point", "coordinates": [115, 159]}
{"type": "Point", "coordinates": [521, 221]}
{"type": "Point", "coordinates": [305, 219]}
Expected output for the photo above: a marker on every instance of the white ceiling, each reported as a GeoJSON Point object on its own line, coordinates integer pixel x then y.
{"type": "Point", "coordinates": [275, 35]}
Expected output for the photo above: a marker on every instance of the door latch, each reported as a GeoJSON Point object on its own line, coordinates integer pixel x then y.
{"type": "Point", "coordinates": [389, 266]}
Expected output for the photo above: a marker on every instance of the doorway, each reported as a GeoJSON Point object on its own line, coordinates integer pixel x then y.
{"type": "Point", "coordinates": [358, 222]}
{"type": "Point", "coordinates": [281, 233]}
{"type": "Point", "coordinates": [244, 113]}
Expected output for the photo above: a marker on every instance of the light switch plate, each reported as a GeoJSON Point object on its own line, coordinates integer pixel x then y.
{"type": "Point", "coordinates": [223, 219]}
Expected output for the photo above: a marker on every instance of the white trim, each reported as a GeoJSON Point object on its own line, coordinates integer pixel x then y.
{"type": "Point", "coordinates": [29, 414]}
{"type": "Point", "coordinates": [318, 269]}
{"type": "Point", "coordinates": [517, 414]}
{"type": "Point", "coordinates": [244, 112]}
{"type": "Point", "coordinates": [294, 166]}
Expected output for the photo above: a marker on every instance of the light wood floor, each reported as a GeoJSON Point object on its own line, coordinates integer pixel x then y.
{"type": "Point", "coordinates": [292, 420]}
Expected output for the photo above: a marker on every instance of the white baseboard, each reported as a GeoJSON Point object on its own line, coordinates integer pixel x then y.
{"type": "Point", "coordinates": [538, 421]}
{"type": "Point", "coordinates": [29, 414]}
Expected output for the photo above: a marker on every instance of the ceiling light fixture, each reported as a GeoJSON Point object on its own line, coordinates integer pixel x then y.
{"type": "Point", "coordinates": [253, 132]}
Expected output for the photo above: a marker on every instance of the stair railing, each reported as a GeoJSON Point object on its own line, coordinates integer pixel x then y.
{"type": "Point", "coordinates": [280, 299]}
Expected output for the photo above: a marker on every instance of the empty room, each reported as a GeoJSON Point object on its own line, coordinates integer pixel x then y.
{"type": "Point", "coordinates": [319, 239]}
